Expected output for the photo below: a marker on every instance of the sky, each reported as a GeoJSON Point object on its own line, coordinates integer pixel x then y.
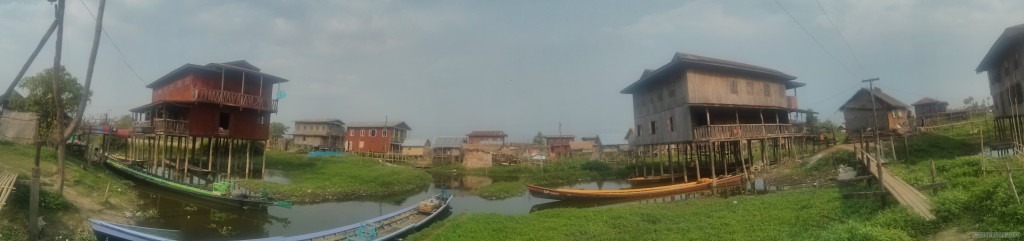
{"type": "Point", "coordinates": [450, 67]}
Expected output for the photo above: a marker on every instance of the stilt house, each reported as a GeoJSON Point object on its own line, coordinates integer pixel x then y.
{"type": "Point", "coordinates": [707, 107]}
{"type": "Point", "coordinates": [1005, 75]}
{"type": "Point", "coordinates": [224, 106]}
{"type": "Point", "coordinates": [892, 115]}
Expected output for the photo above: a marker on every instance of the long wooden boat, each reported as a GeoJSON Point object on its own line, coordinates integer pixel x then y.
{"type": "Point", "coordinates": [576, 194]}
{"type": "Point", "coordinates": [106, 231]}
{"type": "Point", "coordinates": [387, 227]}
{"type": "Point", "coordinates": [244, 201]}
{"type": "Point", "coordinates": [655, 179]}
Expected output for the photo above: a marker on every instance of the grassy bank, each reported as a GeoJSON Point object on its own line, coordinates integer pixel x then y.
{"type": "Point", "coordinates": [808, 214]}
{"type": "Point", "coordinates": [66, 216]}
{"type": "Point", "coordinates": [337, 178]}
{"type": "Point", "coordinates": [974, 200]}
{"type": "Point", "coordinates": [551, 173]}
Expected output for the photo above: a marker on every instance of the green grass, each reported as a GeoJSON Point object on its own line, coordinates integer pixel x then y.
{"type": "Point", "coordinates": [808, 214]}
{"type": "Point", "coordinates": [66, 220]}
{"type": "Point", "coordinates": [337, 178]}
{"type": "Point", "coordinates": [973, 200]}
{"type": "Point", "coordinates": [501, 190]}
{"type": "Point", "coordinates": [551, 173]}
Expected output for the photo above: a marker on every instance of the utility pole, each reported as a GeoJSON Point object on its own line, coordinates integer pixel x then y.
{"type": "Point", "coordinates": [878, 147]}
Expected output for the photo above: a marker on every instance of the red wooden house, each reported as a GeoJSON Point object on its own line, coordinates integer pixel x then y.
{"type": "Point", "coordinates": [558, 145]}
{"type": "Point", "coordinates": [226, 100]}
{"type": "Point", "coordinates": [376, 137]}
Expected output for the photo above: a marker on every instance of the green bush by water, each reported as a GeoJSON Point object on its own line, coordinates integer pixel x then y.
{"type": "Point", "coordinates": [324, 179]}
{"type": "Point", "coordinates": [501, 190]}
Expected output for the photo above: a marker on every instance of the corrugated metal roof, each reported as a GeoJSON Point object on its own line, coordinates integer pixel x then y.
{"type": "Point", "coordinates": [487, 133]}
{"type": "Point", "coordinates": [1009, 39]}
{"type": "Point", "coordinates": [926, 100]}
{"type": "Point", "coordinates": [319, 120]}
{"type": "Point", "coordinates": [883, 97]}
{"type": "Point", "coordinates": [685, 60]}
{"type": "Point", "coordinates": [415, 142]}
{"type": "Point", "coordinates": [448, 142]}
{"type": "Point", "coordinates": [611, 140]}
{"type": "Point", "coordinates": [369, 124]}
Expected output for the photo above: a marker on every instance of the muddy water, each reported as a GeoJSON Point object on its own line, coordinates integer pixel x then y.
{"type": "Point", "coordinates": [200, 220]}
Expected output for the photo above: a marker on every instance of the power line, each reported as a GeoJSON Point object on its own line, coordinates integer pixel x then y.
{"type": "Point", "coordinates": [119, 52]}
{"type": "Point", "coordinates": [815, 39]}
{"type": "Point", "coordinates": [845, 43]}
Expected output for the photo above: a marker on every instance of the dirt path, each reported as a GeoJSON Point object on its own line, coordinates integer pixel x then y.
{"type": "Point", "coordinates": [822, 153]}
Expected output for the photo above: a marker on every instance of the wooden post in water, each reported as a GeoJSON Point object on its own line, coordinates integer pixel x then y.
{"type": "Point", "coordinates": [209, 160]}
{"type": "Point", "coordinates": [711, 153]}
{"type": "Point", "coordinates": [684, 159]}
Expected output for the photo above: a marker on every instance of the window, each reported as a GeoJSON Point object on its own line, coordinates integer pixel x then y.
{"type": "Point", "coordinates": [224, 122]}
{"type": "Point", "coordinates": [384, 133]}
{"type": "Point", "coordinates": [351, 133]}
{"type": "Point", "coordinates": [362, 132]}
{"type": "Point", "coordinates": [638, 130]}
{"type": "Point", "coordinates": [653, 129]}
{"type": "Point", "coordinates": [671, 124]}
{"type": "Point", "coordinates": [750, 87]}
{"type": "Point", "coordinates": [734, 86]}
{"type": "Point", "coordinates": [373, 132]}
{"type": "Point", "coordinates": [767, 90]}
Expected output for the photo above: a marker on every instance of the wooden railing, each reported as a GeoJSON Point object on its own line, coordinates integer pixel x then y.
{"type": "Point", "coordinates": [143, 127]}
{"type": "Point", "coordinates": [170, 127]}
{"type": "Point", "coordinates": [746, 131]}
{"type": "Point", "coordinates": [234, 98]}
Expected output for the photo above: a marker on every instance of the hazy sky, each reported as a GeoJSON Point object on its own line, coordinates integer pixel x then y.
{"type": "Point", "coordinates": [449, 67]}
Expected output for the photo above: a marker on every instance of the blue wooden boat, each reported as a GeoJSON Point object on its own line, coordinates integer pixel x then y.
{"type": "Point", "coordinates": [387, 227]}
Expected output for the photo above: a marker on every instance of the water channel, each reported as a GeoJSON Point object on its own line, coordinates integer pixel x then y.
{"type": "Point", "coordinates": [199, 220]}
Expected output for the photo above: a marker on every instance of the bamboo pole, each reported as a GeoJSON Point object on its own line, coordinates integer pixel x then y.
{"type": "Point", "coordinates": [231, 144]}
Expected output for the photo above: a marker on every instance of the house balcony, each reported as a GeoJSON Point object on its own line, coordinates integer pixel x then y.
{"type": "Point", "coordinates": [234, 99]}
{"type": "Point", "coordinates": [746, 131]}
{"type": "Point", "coordinates": [162, 127]}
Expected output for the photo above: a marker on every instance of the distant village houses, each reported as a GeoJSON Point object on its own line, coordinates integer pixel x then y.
{"type": "Point", "coordinates": [376, 137]}
{"type": "Point", "coordinates": [487, 137]}
{"type": "Point", "coordinates": [319, 134]}
{"type": "Point", "coordinates": [862, 114]}
{"type": "Point", "coordinates": [558, 145]}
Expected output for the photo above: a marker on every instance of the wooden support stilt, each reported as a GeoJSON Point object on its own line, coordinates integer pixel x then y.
{"type": "Point", "coordinates": [263, 169]}
{"type": "Point", "coordinates": [671, 170]}
{"type": "Point", "coordinates": [684, 162]}
{"type": "Point", "coordinates": [231, 144]}
{"type": "Point", "coordinates": [892, 145]}
{"type": "Point", "coordinates": [696, 159]}
{"type": "Point", "coordinates": [209, 160]}
{"type": "Point", "coordinates": [712, 153]}
{"type": "Point", "coordinates": [248, 150]}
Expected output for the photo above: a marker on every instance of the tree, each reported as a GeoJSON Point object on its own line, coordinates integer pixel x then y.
{"type": "Point", "coordinates": [277, 130]}
{"type": "Point", "coordinates": [538, 139]}
{"type": "Point", "coordinates": [124, 122]}
{"type": "Point", "coordinates": [40, 99]}
{"type": "Point", "coordinates": [969, 102]}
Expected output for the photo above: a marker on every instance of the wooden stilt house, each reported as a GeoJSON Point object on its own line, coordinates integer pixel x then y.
{"type": "Point", "coordinates": [707, 115]}
{"type": "Point", "coordinates": [1005, 74]}
{"type": "Point", "coordinates": [208, 119]}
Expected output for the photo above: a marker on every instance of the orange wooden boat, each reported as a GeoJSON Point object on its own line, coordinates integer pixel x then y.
{"type": "Point", "coordinates": [576, 194]}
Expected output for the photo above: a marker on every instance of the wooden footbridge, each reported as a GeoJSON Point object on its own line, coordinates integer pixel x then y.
{"type": "Point", "coordinates": [7, 180]}
{"type": "Point", "coordinates": [903, 192]}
